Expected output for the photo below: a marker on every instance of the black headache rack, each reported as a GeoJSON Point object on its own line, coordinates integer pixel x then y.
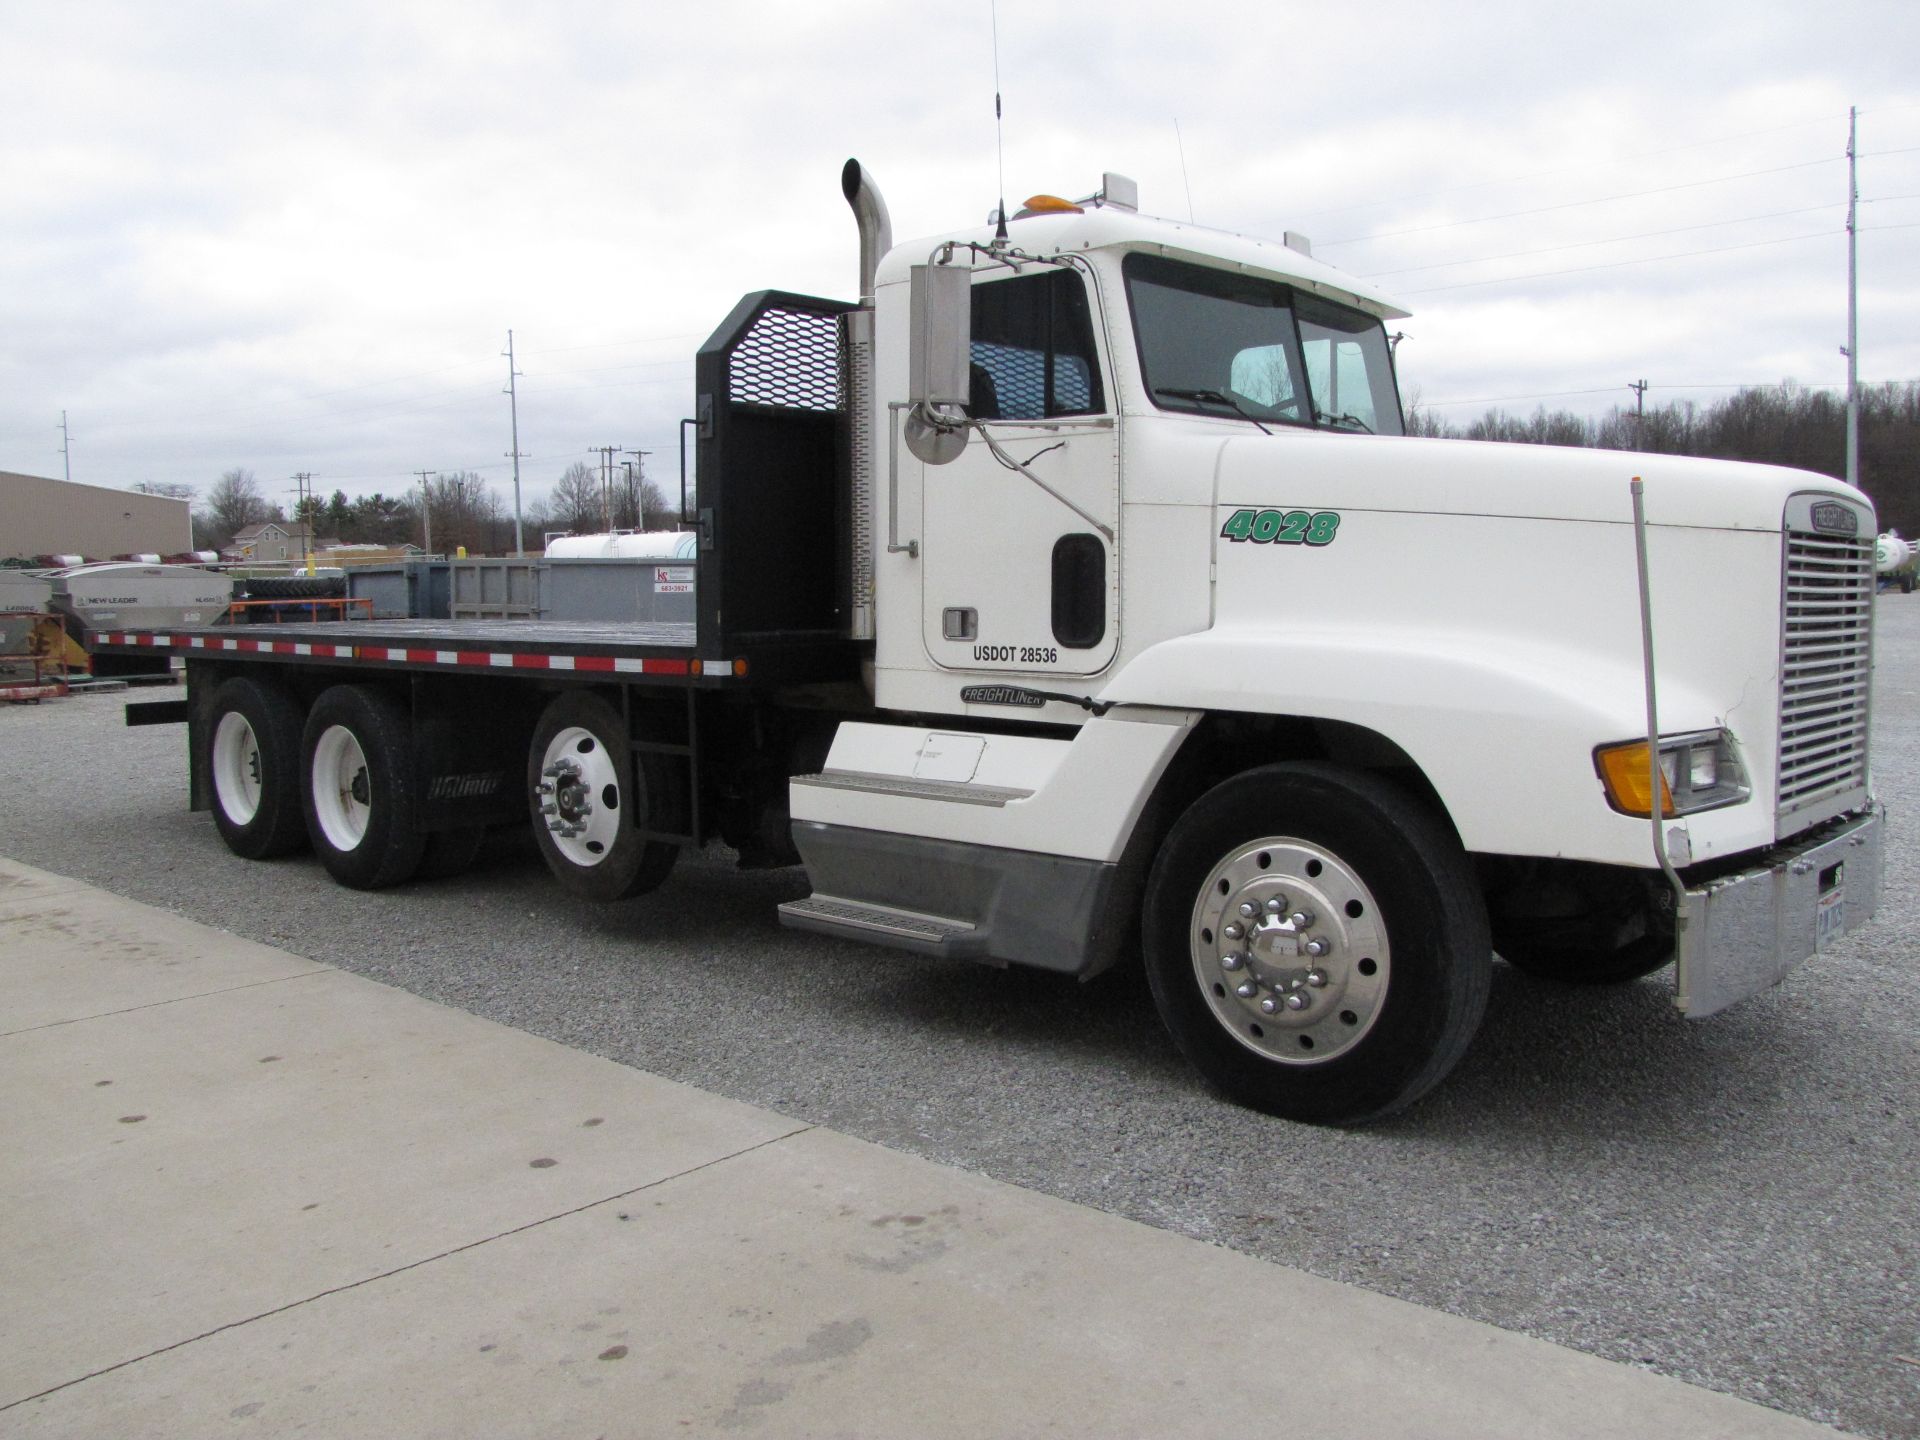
{"type": "Point", "coordinates": [775, 551]}
{"type": "Point", "coordinates": [774, 503]}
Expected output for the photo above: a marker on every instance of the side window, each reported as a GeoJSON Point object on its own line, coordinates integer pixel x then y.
{"type": "Point", "coordinates": [1033, 355]}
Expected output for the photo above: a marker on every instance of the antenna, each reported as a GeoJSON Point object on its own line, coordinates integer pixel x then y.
{"type": "Point", "coordinates": [1182, 145]}
{"type": "Point", "coordinates": [999, 131]}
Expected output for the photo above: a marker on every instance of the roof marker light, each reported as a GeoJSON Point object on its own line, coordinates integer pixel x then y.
{"type": "Point", "coordinates": [1050, 205]}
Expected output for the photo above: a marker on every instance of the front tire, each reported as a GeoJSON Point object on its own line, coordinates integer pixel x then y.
{"type": "Point", "coordinates": [1316, 943]}
{"type": "Point", "coordinates": [590, 800]}
{"type": "Point", "coordinates": [252, 764]}
{"type": "Point", "coordinates": [361, 797]}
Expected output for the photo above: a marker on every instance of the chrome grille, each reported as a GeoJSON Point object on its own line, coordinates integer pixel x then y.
{"type": "Point", "coordinates": [1826, 672]}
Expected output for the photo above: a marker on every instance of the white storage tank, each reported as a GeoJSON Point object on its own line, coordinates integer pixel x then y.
{"type": "Point", "coordinates": [624, 545]}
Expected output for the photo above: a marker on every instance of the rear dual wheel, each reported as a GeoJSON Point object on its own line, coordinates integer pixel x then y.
{"type": "Point", "coordinates": [362, 799]}
{"type": "Point", "coordinates": [252, 764]}
{"type": "Point", "coordinates": [341, 778]}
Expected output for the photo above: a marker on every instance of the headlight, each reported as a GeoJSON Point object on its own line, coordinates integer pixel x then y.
{"type": "Point", "coordinates": [1697, 772]}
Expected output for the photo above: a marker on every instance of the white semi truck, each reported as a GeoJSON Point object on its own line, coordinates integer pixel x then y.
{"type": "Point", "coordinates": [1074, 593]}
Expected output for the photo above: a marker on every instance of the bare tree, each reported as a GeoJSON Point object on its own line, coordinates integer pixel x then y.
{"type": "Point", "coordinates": [233, 503]}
{"type": "Point", "coordinates": [656, 511]}
{"type": "Point", "coordinates": [461, 505]}
{"type": "Point", "coordinates": [577, 503]}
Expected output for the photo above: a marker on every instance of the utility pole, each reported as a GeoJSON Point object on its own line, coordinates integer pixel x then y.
{"type": "Point", "coordinates": [513, 410]}
{"type": "Point", "coordinates": [1853, 306]}
{"type": "Point", "coordinates": [606, 454]}
{"type": "Point", "coordinates": [66, 441]}
{"type": "Point", "coordinates": [426, 510]}
{"type": "Point", "coordinates": [1639, 388]}
{"type": "Point", "coordinates": [302, 490]}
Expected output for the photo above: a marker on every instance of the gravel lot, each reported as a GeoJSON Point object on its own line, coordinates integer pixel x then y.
{"type": "Point", "coordinates": [1734, 1203]}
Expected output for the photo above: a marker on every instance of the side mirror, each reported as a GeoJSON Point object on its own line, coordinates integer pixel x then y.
{"type": "Point", "coordinates": [940, 363]}
{"type": "Point", "coordinates": [940, 372]}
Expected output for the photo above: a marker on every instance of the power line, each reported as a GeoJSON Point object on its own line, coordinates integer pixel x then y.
{"type": "Point", "coordinates": [615, 344]}
{"type": "Point", "coordinates": [1576, 204]}
{"type": "Point", "coordinates": [1671, 385]}
{"type": "Point", "coordinates": [1623, 264]}
{"type": "Point", "coordinates": [1570, 169]}
{"type": "Point", "coordinates": [1610, 240]}
{"type": "Point", "coordinates": [1503, 399]}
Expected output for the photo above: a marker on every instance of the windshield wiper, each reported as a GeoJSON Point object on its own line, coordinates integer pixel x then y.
{"type": "Point", "coordinates": [1342, 420]}
{"type": "Point", "coordinates": [1217, 397]}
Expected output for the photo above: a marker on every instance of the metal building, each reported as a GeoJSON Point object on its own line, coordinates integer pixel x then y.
{"type": "Point", "coordinates": [41, 516]}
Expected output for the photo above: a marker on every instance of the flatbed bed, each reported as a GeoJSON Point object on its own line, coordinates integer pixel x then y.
{"type": "Point", "coordinates": [657, 648]}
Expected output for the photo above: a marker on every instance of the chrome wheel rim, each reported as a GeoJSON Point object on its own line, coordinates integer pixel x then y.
{"type": "Point", "coordinates": [342, 793]}
{"type": "Point", "coordinates": [578, 796]}
{"type": "Point", "coordinates": [236, 768]}
{"type": "Point", "coordinates": [1289, 951]}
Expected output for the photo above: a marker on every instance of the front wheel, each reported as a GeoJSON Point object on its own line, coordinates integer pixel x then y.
{"type": "Point", "coordinates": [1316, 943]}
{"type": "Point", "coordinates": [361, 798]}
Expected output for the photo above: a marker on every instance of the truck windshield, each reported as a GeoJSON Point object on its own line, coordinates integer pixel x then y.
{"type": "Point", "coordinates": [1218, 342]}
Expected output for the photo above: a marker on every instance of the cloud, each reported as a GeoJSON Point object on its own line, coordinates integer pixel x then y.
{"type": "Point", "coordinates": [295, 239]}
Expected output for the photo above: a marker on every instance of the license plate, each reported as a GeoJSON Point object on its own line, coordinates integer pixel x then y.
{"type": "Point", "coordinates": [1830, 917]}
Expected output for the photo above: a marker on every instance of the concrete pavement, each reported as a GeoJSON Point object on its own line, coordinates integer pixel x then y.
{"type": "Point", "coordinates": [244, 1193]}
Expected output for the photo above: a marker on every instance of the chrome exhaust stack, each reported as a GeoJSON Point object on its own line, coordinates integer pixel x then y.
{"type": "Point", "coordinates": [876, 238]}
{"type": "Point", "coordinates": [870, 213]}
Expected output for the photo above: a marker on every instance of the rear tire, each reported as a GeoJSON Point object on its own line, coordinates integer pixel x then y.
{"type": "Point", "coordinates": [1316, 943]}
{"type": "Point", "coordinates": [361, 799]}
{"type": "Point", "coordinates": [296, 587]}
{"type": "Point", "coordinates": [599, 800]}
{"type": "Point", "coordinates": [252, 765]}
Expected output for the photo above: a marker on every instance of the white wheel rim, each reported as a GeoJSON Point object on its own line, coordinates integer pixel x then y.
{"type": "Point", "coordinates": [578, 797]}
{"type": "Point", "coordinates": [1290, 951]}
{"type": "Point", "coordinates": [237, 770]}
{"type": "Point", "coordinates": [341, 788]}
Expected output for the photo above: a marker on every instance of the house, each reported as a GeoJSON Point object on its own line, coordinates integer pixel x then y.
{"type": "Point", "coordinates": [272, 542]}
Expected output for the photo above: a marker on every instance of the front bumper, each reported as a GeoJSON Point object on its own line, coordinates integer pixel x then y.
{"type": "Point", "coordinates": [1745, 931]}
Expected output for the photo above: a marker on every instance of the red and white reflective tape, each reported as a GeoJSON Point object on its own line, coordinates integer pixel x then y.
{"type": "Point", "coordinates": [415, 655]}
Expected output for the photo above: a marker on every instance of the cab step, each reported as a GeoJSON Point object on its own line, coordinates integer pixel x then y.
{"type": "Point", "coordinates": [912, 788]}
{"type": "Point", "coordinates": [884, 925]}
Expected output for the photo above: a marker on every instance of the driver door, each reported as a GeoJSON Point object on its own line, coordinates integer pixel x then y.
{"type": "Point", "coordinates": [1022, 569]}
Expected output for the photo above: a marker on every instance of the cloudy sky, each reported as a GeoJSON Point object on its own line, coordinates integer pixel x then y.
{"type": "Point", "coordinates": [293, 238]}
